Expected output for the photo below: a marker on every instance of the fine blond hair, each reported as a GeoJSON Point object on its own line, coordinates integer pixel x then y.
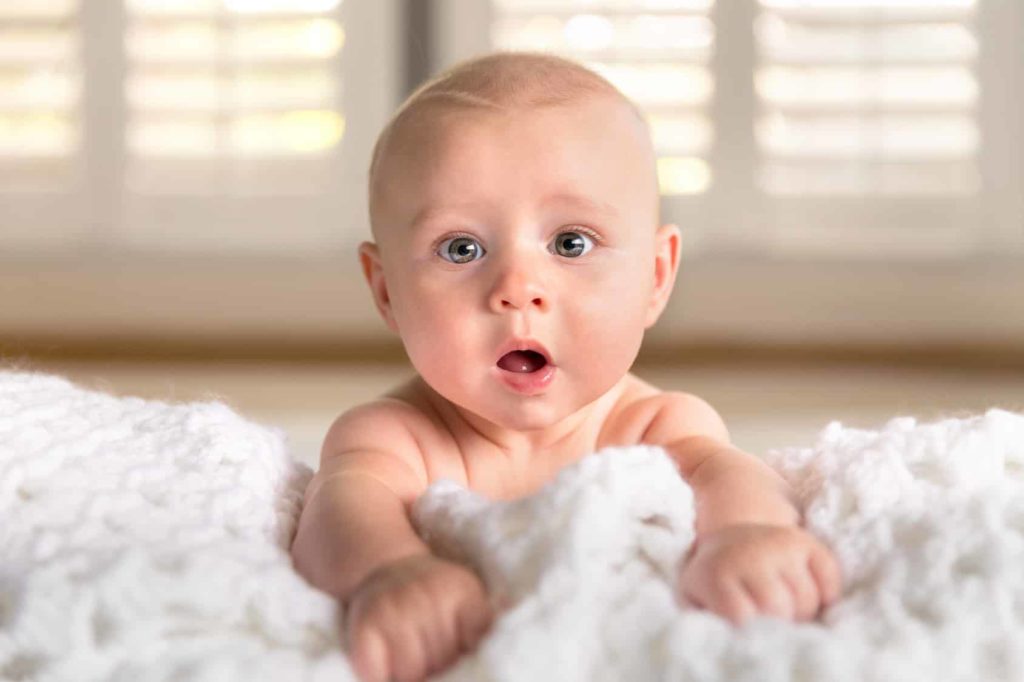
{"type": "Point", "coordinates": [500, 82]}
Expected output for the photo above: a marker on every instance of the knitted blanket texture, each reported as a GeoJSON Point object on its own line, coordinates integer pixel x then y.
{"type": "Point", "coordinates": [147, 541]}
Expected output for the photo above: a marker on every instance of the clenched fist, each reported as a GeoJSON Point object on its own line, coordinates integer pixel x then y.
{"type": "Point", "coordinates": [741, 570]}
{"type": "Point", "coordinates": [414, 617]}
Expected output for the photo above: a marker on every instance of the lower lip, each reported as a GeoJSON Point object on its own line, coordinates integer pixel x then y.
{"type": "Point", "coordinates": [528, 382]}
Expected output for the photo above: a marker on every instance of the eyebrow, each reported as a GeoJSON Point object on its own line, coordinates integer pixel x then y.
{"type": "Point", "coordinates": [428, 213]}
{"type": "Point", "coordinates": [582, 202]}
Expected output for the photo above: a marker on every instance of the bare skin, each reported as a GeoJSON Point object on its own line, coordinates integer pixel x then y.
{"type": "Point", "coordinates": [415, 616]}
{"type": "Point", "coordinates": [460, 453]}
{"type": "Point", "coordinates": [471, 260]}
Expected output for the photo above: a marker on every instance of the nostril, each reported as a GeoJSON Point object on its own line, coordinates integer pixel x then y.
{"type": "Point", "coordinates": [537, 302]}
{"type": "Point", "coordinates": [510, 303]}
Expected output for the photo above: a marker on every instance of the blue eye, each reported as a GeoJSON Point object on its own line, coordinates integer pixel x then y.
{"type": "Point", "coordinates": [460, 250]}
{"type": "Point", "coordinates": [573, 244]}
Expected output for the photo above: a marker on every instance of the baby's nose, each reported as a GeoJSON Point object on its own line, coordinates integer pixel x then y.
{"type": "Point", "coordinates": [519, 303]}
{"type": "Point", "coordinates": [518, 290]}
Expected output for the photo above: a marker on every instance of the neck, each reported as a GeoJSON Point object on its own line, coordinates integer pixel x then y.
{"type": "Point", "coordinates": [576, 430]}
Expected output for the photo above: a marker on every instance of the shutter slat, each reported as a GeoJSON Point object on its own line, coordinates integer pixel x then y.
{"type": "Point", "coordinates": [233, 95]}
{"type": "Point", "coordinates": [40, 94]}
{"type": "Point", "coordinates": [861, 98]}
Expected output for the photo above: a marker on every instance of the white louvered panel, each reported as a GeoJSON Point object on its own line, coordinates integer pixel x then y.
{"type": "Point", "coordinates": [865, 97]}
{"type": "Point", "coordinates": [656, 51]}
{"type": "Point", "coordinates": [40, 94]}
{"type": "Point", "coordinates": [233, 97]}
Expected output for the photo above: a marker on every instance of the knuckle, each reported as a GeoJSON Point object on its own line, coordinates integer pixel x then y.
{"type": "Point", "coordinates": [773, 602]}
{"type": "Point", "coordinates": [733, 603]}
{"type": "Point", "coordinates": [472, 624]}
{"type": "Point", "coordinates": [378, 613]}
{"type": "Point", "coordinates": [444, 644]}
{"type": "Point", "coordinates": [807, 602]}
{"type": "Point", "coordinates": [469, 583]}
{"type": "Point", "coordinates": [409, 663]}
{"type": "Point", "coordinates": [737, 612]}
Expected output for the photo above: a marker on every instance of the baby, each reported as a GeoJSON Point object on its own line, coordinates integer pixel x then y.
{"type": "Point", "coordinates": [519, 255]}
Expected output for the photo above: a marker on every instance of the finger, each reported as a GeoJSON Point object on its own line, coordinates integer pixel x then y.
{"type": "Point", "coordinates": [443, 639]}
{"type": "Point", "coordinates": [695, 588]}
{"type": "Point", "coordinates": [425, 620]}
{"type": "Point", "coordinates": [731, 600]}
{"type": "Point", "coordinates": [474, 620]}
{"type": "Point", "coordinates": [804, 590]}
{"type": "Point", "coordinates": [369, 656]}
{"type": "Point", "coordinates": [408, 658]}
{"type": "Point", "coordinates": [771, 594]}
{"type": "Point", "coordinates": [827, 574]}
{"type": "Point", "coordinates": [451, 648]}
{"type": "Point", "coordinates": [687, 597]}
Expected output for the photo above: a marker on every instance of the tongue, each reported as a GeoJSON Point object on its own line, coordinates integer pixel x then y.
{"type": "Point", "coordinates": [522, 361]}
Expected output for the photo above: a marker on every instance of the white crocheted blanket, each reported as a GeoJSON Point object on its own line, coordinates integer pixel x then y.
{"type": "Point", "coordinates": [146, 541]}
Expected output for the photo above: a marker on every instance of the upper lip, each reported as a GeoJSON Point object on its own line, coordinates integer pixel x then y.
{"type": "Point", "coordinates": [524, 344]}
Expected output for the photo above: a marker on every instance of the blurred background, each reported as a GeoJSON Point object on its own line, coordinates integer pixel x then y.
{"type": "Point", "coordinates": [182, 189]}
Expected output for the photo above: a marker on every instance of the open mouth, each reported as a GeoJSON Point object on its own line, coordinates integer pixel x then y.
{"type": "Point", "coordinates": [522, 361]}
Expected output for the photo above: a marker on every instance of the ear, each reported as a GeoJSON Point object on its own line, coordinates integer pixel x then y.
{"type": "Point", "coordinates": [373, 271]}
{"type": "Point", "coordinates": [667, 242]}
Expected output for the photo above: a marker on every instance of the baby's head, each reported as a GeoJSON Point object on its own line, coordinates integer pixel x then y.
{"type": "Point", "coordinates": [515, 197]}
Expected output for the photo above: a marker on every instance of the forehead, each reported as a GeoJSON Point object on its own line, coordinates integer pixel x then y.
{"type": "Point", "coordinates": [594, 155]}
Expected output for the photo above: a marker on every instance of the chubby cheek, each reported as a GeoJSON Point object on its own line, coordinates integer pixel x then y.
{"type": "Point", "coordinates": [440, 336]}
{"type": "Point", "coordinates": [604, 333]}
{"type": "Point", "coordinates": [594, 333]}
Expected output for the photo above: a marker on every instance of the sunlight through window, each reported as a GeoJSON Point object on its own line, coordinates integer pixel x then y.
{"type": "Point", "coordinates": [656, 51]}
{"type": "Point", "coordinates": [230, 80]}
{"type": "Point", "coordinates": [867, 97]}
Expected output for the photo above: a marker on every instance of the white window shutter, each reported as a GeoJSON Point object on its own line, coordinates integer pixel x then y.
{"type": "Point", "coordinates": [40, 124]}
{"type": "Point", "coordinates": [234, 124]}
{"type": "Point", "coordinates": [867, 128]}
{"type": "Point", "coordinates": [868, 98]}
{"type": "Point", "coordinates": [212, 127]}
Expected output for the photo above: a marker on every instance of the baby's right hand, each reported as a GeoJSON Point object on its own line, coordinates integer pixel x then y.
{"type": "Point", "coordinates": [414, 617]}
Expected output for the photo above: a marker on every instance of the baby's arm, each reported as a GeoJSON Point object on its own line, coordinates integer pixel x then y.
{"type": "Point", "coordinates": [408, 613]}
{"type": "Point", "coordinates": [750, 554]}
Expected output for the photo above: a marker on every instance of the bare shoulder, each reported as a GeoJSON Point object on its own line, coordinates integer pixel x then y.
{"type": "Point", "coordinates": [377, 438]}
{"type": "Point", "coordinates": [383, 423]}
{"type": "Point", "coordinates": [628, 418]}
{"type": "Point", "coordinates": [676, 415]}
{"type": "Point", "coordinates": [647, 414]}
{"type": "Point", "coordinates": [399, 435]}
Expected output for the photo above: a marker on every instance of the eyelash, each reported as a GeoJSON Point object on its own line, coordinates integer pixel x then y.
{"type": "Point", "coordinates": [598, 239]}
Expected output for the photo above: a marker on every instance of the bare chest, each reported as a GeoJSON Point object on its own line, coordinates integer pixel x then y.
{"type": "Point", "coordinates": [496, 476]}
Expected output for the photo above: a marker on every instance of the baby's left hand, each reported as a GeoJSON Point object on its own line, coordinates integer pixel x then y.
{"type": "Point", "coordinates": [741, 570]}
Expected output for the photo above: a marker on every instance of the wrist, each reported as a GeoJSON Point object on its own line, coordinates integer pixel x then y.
{"type": "Point", "coordinates": [374, 573]}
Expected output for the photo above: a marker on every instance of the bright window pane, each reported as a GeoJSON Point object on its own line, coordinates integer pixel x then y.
{"type": "Point", "coordinates": [657, 52]}
{"type": "Point", "coordinates": [867, 97]}
{"type": "Point", "coordinates": [227, 82]}
{"type": "Point", "coordinates": [40, 94]}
